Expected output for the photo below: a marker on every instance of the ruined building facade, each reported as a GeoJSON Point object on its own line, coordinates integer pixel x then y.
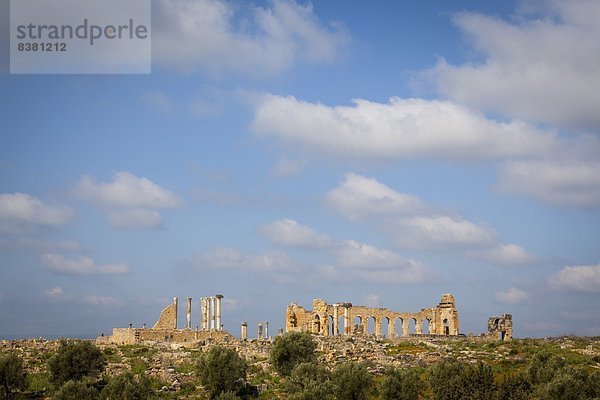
{"type": "Point", "coordinates": [166, 328]}
{"type": "Point", "coordinates": [500, 328]}
{"type": "Point", "coordinates": [345, 319]}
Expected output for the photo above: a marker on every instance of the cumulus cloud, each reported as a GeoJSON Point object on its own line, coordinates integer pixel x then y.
{"type": "Point", "coordinates": [288, 232]}
{"type": "Point", "coordinates": [21, 212]}
{"type": "Point", "coordinates": [228, 258]}
{"type": "Point", "coordinates": [511, 296]}
{"type": "Point", "coordinates": [56, 294]}
{"type": "Point", "coordinates": [505, 254]}
{"type": "Point", "coordinates": [539, 69]}
{"type": "Point", "coordinates": [132, 201]}
{"type": "Point", "coordinates": [584, 278]}
{"type": "Point", "coordinates": [358, 197]}
{"type": "Point", "coordinates": [215, 36]}
{"type": "Point", "coordinates": [401, 128]}
{"type": "Point", "coordinates": [566, 184]}
{"type": "Point", "coordinates": [438, 231]}
{"type": "Point", "coordinates": [24, 243]}
{"type": "Point", "coordinates": [415, 225]}
{"type": "Point", "coordinates": [81, 266]}
{"type": "Point", "coordinates": [371, 264]}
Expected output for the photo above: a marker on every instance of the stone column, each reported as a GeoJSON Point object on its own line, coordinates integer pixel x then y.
{"type": "Point", "coordinates": [244, 335]}
{"type": "Point", "coordinates": [419, 327]}
{"type": "Point", "coordinates": [391, 331]}
{"type": "Point", "coordinates": [377, 327]}
{"type": "Point", "coordinates": [204, 316]}
{"type": "Point", "coordinates": [189, 313]}
{"type": "Point", "coordinates": [175, 302]}
{"type": "Point", "coordinates": [405, 326]}
{"type": "Point", "coordinates": [347, 329]}
{"type": "Point", "coordinates": [218, 300]}
{"type": "Point", "coordinates": [212, 313]}
{"type": "Point", "coordinates": [336, 319]}
{"type": "Point", "coordinates": [267, 330]}
{"type": "Point", "coordinates": [260, 331]}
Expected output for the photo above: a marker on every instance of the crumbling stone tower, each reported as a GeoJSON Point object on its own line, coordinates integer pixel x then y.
{"type": "Point", "coordinates": [500, 328]}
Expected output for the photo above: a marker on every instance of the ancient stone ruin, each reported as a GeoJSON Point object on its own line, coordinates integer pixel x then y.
{"type": "Point", "coordinates": [500, 328]}
{"type": "Point", "coordinates": [166, 328]}
{"type": "Point", "coordinates": [326, 319]}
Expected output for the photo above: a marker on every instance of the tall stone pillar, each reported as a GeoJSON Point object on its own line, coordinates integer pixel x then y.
{"type": "Point", "coordinates": [218, 300]}
{"type": "Point", "coordinates": [377, 327]}
{"type": "Point", "coordinates": [267, 330]}
{"type": "Point", "coordinates": [336, 320]}
{"type": "Point", "coordinates": [244, 335]}
{"type": "Point", "coordinates": [175, 303]}
{"type": "Point", "coordinates": [212, 313]}
{"type": "Point", "coordinates": [188, 324]}
{"type": "Point", "coordinates": [204, 316]}
{"type": "Point", "coordinates": [260, 331]}
{"type": "Point", "coordinates": [347, 328]}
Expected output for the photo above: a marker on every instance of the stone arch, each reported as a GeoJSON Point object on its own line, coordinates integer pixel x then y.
{"type": "Point", "coordinates": [446, 325]}
{"type": "Point", "coordinates": [385, 327]}
{"type": "Point", "coordinates": [293, 319]}
{"type": "Point", "coordinates": [426, 329]}
{"type": "Point", "coordinates": [330, 325]}
{"type": "Point", "coordinates": [357, 325]}
{"type": "Point", "coordinates": [370, 325]}
{"type": "Point", "coordinates": [412, 325]}
{"type": "Point", "coordinates": [316, 324]}
{"type": "Point", "coordinates": [398, 325]}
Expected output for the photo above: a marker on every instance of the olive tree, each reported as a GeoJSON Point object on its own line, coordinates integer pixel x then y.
{"type": "Point", "coordinates": [12, 375]}
{"type": "Point", "coordinates": [75, 360]}
{"type": "Point", "coordinates": [221, 370]}
{"type": "Point", "coordinates": [290, 350]}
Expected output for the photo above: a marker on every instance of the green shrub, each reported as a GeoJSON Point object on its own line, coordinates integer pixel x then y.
{"type": "Point", "coordinates": [401, 384]}
{"type": "Point", "coordinates": [309, 381]}
{"type": "Point", "coordinates": [75, 360]}
{"type": "Point", "coordinates": [75, 390]}
{"type": "Point", "coordinates": [543, 366]}
{"type": "Point", "coordinates": [12, 375]}
{"type": "Point", "coordinates": [290, 350]}
{"type": "Point", "coordinates": [222, 370]}
{"type": "Point", "coordinates": [352, 381]}
{"type": "Point", "coordinates": [128, 387]}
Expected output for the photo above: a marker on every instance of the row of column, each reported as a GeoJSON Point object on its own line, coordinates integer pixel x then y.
{"type": "Point", "coordinates": [211, 313]}
{"type": "Point", "coordinates": [336, 317]}
{"type": "Point", "coordinates": [263, 331]}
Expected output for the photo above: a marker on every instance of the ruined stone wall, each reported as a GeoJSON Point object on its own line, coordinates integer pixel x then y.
{"type": "Point", "coordinates": [500, 328]}
{"type": "Point", "coordinates": [344, 318]}
{"type": "Point", "coordinates": [168, 317]}
{"type": "Point", "coordinates": [141, 335]}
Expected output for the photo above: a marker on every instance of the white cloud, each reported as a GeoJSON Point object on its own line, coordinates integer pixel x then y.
{"type": "Point", "coordinates": [102, 301]}
{"type": "Point", "coordinates": [288, 232]}
{"type": "Point", "coordinates": [401, 128]}
{"type": "Point", "coordinates": [585, 278]}
{"type": "Point", "coordinates": [56, 294]}
{"type": "Point", "coordinates": [511, 296]}
{"type": "Point", "coordinates": [216, 37]}
{"type": "Point", "coordinates": [366, 262]}
{"type": "Point", "coordinates": [425, 232]}
{"type": "Point", "coordinates": [127, 190]}
{"type": "Point", "coordinates": [81, 266]}
{"type": "Point", "coordinates": [358, 197]}
{"type": "Point", "coordinates": [542, 69]}
{"type": "Point", "coordinates": [231, 259]}
{"type": "Point", "coordinates": [132, 202]}
{"type": "Point", "coordinates": [505, 254]}
{"type": "Point", "coordinates": [566, 184]}
{"type": "Point", "coordinates": [20, 212]}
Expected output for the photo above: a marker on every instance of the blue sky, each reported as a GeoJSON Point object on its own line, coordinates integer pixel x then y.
{"type": "Point", "coordinates": [281, 151]}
